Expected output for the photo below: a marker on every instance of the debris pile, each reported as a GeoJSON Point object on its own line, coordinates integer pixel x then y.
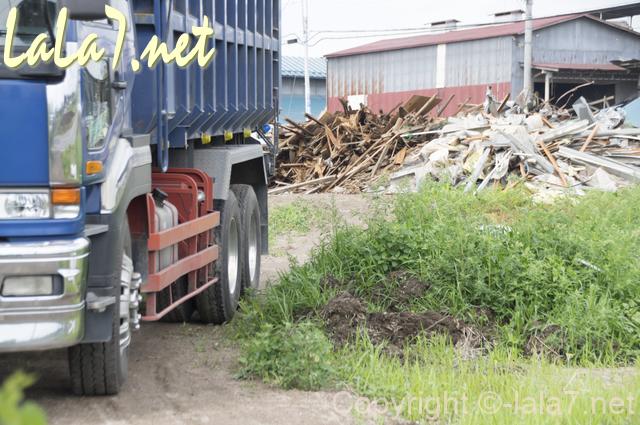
{"type": "Point", "coordinates": [345, 151]}
{"type": "Point", "coordinates": [554, 151]}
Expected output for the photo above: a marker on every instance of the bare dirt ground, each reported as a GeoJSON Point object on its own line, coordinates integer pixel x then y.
{"type": "Point", "coordinates": [184, 374]}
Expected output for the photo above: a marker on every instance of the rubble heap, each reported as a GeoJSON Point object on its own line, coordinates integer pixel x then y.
{"type": "Point", "coordinates": [552, 150]}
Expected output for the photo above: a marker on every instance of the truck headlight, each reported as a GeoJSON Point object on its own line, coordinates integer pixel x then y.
{"type": "Point", "coordinates": [34, 204]}
{"type": "Point", "coordinates": [17, 206]}
{"type": "Point", "coordinates": [28, 286]}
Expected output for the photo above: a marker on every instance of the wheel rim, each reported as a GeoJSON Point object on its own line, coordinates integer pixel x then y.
{"type": "Point", "coordinates": [253, 247]}
{"type": "Point", "coordinates": [233, 255]}
{"type": "Point", "coordinates": [126, 274]}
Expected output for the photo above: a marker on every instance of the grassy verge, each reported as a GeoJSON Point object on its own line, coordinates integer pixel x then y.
{"type": "Point", "coordinates": [434, 385]}
{"type": "Point", "coordinates": [296, 218]}
{"type": "Point", "coordinates": [549, 290]}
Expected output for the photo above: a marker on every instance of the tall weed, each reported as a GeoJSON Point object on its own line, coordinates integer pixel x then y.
{"type": "Point", "coordinates": [573, 265]}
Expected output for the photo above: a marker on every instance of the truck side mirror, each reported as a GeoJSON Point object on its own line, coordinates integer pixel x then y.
{"type": "Point", "coordinates": [85, 10]}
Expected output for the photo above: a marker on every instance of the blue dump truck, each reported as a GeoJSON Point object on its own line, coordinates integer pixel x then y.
{"type": "Point", "coordinates": [128, 197]}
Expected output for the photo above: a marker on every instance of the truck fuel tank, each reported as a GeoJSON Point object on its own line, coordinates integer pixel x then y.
{"type": "Point", "coordinates": [166, 218]}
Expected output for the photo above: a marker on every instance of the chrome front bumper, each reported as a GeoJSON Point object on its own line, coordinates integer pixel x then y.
{"type": "Point", "coordinates": [42, 323]}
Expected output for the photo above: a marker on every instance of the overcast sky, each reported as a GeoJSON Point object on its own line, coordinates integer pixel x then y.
{"type": "Point", "coordinates": [327, 17]}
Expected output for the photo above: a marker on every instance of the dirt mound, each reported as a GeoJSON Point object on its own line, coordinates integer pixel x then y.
{"type": "Point", "coordinates": [398, 328]}
{"type": "Point", "coordinates": [405, 288]}
{"type": "Point", "coordinates": [346, 314]}
{"type": "Point", "coordinates": [343, 315]}
{"type": "Point", "coordinates": [393, 293]}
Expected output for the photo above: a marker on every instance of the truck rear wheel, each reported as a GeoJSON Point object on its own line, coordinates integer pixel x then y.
{"type": "Point", "coordinates": [218, 303]}
{"type": "Point", "coordinates": [184, 311]}
{"type": "Point", "coordinates": [252, 235]}
{"type": "Point", "coordinates": [101, 368]}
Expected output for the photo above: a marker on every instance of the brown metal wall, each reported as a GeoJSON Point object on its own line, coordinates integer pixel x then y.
{"type": "Point", "coordinates": [386, 102]}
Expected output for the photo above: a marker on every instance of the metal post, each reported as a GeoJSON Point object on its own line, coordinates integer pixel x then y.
{"type": "Point", "coordinates": [547, 86]}
{"type": "Point", "coordinates": [528, 51]}
{"type": "Point", "coordinates": [307, 82]}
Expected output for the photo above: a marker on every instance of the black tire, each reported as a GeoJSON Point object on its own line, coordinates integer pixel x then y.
{"type": "Point", "coordinates": [218, 303]}
{"type": "Point", "coordinates": [252, 236]}
{"type": "Point", "coordinates": [100, 369]}
{"type": "Point", "coordinates": [184, 311]}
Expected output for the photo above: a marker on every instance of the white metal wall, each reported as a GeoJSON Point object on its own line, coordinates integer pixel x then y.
{"type": "Point", "coordinates": [478, 62]}
{"type": "Point", "coordinates": [383, 72]}
{"type": "Point", "coordinates": [451, 65]}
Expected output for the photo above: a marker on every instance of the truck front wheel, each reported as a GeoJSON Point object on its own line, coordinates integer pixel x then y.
{"type": "Point", "coordinates": [218, 303]}
{"type": "Point", "coordinates": [101, 368]}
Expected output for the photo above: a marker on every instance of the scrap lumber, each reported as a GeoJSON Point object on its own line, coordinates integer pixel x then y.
{"type": "Point", "coordinates": [477, 170]}
{"type": "Point", "coordinates": [446, 104]}
{"type": "Point", "coordinates": [298, 126]}
{"type": "Point", "coordinates": [554, 163]}
{"type": "Point", "coordinates": [429, 105]}
{"type": "Point", "coordinates": [575, 89]}
{"type": "Point", "coordinates": [504, 103]}
{"type": "Point", "coordinates": [565, 130]}
{"type": "Point", "coordinates": [348, 151]}
{"type": "Point", "coordinates": [590, 138]}
{"type": "Point", "coordinates": [284, 189]}
{"type": "Point", "coordinates": [463, 105]}
{"type": "Point", "coordinates": [351, 146]}
{"type": "Point", "coordinates": [614, 167]}
{"type": "Point", "coordinates": [528, 150]}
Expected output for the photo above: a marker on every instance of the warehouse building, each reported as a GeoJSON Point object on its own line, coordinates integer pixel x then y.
{"type": "Point", "coordinates": [568, 51]}
{"type": "Point", "coordinates": [292, 87]}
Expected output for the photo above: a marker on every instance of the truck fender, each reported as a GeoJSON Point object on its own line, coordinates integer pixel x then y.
{"type": "Point", "coordinates": [136, 183]}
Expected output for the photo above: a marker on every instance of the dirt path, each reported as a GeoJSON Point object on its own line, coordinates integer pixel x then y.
{"type": "Point", "coordinates": [351, 208]}
{"type": "Point", "coordinates": [184, 374]}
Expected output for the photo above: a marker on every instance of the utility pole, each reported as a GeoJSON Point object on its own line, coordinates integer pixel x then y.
{"type": "Point", "coordinates": [528, 50]}
{"type": "Point", "coordinates": [307, 82]}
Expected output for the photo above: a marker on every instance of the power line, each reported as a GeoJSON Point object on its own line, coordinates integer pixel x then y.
{"type": "Point", "coordinates": [354, 37]}
{"type": "Point", "coordinates": [423, 29]}
{"type": "Point", "coordinates": [393, 32]}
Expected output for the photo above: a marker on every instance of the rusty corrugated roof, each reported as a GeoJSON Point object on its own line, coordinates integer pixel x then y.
{"type": "Point", "coordinates": [579, 66]}
{"type": "Point", "coordinates": [501, 30]}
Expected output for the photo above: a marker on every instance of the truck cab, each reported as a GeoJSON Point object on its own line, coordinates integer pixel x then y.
{"type": "Point", "coordinates": [129, 196]}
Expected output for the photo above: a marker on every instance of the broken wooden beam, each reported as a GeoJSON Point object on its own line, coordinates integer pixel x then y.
{"type": "Point", "coordinates": [284, 189]}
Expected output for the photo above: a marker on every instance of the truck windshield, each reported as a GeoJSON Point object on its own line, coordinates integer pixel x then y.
{"type": "Point", "coordinates": [34, 17]}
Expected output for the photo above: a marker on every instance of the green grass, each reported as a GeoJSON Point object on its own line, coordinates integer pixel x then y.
{"type": "Point", "coordinates": [290, 356]}
{"type": "Point", "coordinates": [296, 218]}
{"type": "Point", "coordinates": [13, 409]}
{"type": "Point", "coordinates": [571, 268]}
{"type": "Point", "coordinates": [433, 385]}
{"type": "Point", "coordinates": [574, 265]}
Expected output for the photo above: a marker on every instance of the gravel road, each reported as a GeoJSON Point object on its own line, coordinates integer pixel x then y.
{"type": "Point", "coordinates": [184, 374]}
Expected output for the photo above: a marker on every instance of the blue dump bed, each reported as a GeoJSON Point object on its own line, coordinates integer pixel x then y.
{"type": "Point", "coordinates": [238, 91]}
